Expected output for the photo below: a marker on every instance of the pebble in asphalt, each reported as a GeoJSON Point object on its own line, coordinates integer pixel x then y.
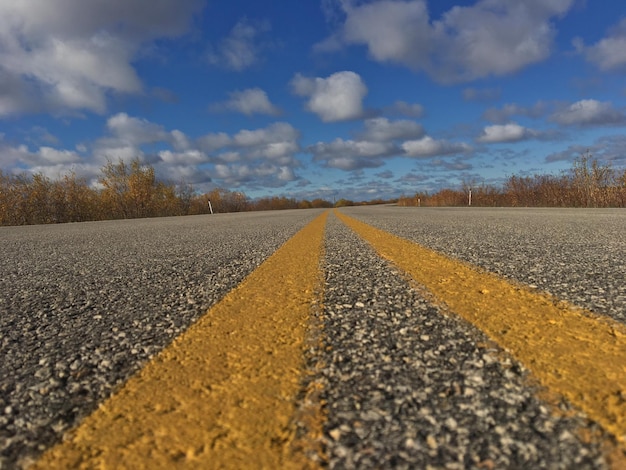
{"type": "Point", "coordinates": [83, 306]}
{"type": "Point", "coordinates": [408, 386]}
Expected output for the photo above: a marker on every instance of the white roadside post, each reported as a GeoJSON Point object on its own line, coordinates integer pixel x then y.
{"type": "Point", "coordinates": [469, 200]}
{"type": "Point", "coordinates": [210, 207]}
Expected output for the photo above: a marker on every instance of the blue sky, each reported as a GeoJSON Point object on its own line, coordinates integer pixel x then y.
{"type": "Point", "coordinates": [312, 98]}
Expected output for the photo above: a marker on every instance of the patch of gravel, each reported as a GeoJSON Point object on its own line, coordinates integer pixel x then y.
{"type": "Point", "coordinates": [406, 386]}
{"type": "Point", "coordinates": [84, 306]}
{"type": "Point", "coordinates": [578, 255]}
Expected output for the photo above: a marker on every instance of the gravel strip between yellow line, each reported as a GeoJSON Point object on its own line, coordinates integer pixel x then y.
{"type": "Point", "coordinates": [223, 394]}
{"type": "Point", "coordinates": [572, 352]}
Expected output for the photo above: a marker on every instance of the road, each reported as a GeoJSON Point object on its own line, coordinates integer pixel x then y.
{"type": "Point", "coordinates": [391, 375]}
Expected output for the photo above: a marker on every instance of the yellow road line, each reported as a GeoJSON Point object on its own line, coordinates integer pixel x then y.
{"type": "Point", "coordinates": [572, 352]}
{"type": "Point", "coordinates": [222, 395]}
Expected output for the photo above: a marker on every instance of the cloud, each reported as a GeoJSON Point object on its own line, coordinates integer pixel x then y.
{"type": "Point", "coordinates": [491, 37]}
{"type": "Point", "coordinates": [135, 131]}
{"type": "Point", "coordinates": [454, 165]}
{"type": "Point", "coordinates": [189, 174]}
{"type": "Point", "coordinates": [338, 147]}
{"type": "Point", "coordinates": [387, 174]}
{"type": "Point", "coordinates": [589, 113]}
{"type": "Point", "coordinates": [250, 101]}
{"type": "Point", "coordinates": [16, 95]}
{"type": "Point", "coordinates": [388, 28]}
{"type": "Point", "coordinates": [127, 135]}
{"type": "Point", "coordinates": [405, 109]}
{"type": "Point", "coordinates": [54, 156]}
{"type": "Point", "coordinates": [277, 143]}
{"type": "Point", "coordinates": [506, 112]}
{"type": "Point", "coordinates": [481, 94]}
{"type": "Point", "coordinates": [108, 149]}
{"type": "Point", "coordinates": [180, 141]}
{"type": "Point", "coordinates": [572, 152]}
{"type": "Point", "coordinates": [258, 158]}
{"type": "Point", "coordinates": [413, 178]}
{"type": "Point", "coordinates": [259, 175]}
{"type": "Point", "coordinates": [214, 141]}
{"type": "Point", "coordinates": [383, 130]}
{"type": "Point", "coordinates": [51, 162]}
{"type": "Point", "coordinates": [165, 95]}
{"type": "Point", "coordinates": [350, 163]}
{"type": "Point", "coordinates": [351, 154]}
{"type": "Point", "coordinates": [188, 157]}
{"type": "Point", "coordinates": [336, 98]}
{"type": "Point", "coordinates": [68, 55]}
{"type": "Point", "coordinates": [274, 145]}
{"type": "Point", "coordinates": [610, 52]}
{"type": "Point", "coordinates": [511, 132]}
{"type": "Point", "coordinates": [41, 134]}
{"type": "Point", "coordinates": [429, 147]}
{"type": "Point", "coordinates": [380, 139]}
{"type": "Point", "coordinates": [610, 149]}
{"type": "Point", "coordinates": [242, 48]}
{"type": "Point", "coordinates": [277, 132]}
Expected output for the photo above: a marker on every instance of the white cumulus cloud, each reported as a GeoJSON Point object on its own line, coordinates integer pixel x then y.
{"type": "Point", "coordinates": [429, 147]}
{"type": "Point", "coordinates": [351, 154]}
{"type": "Point", "coordinates": [188, 157]}
{"type": "Point", "coordinates": [136, 131]}
{"type": "Point", "coordinates": [505, 113]}
{"type": "Point", "coordinates": [250, 101]}
{"type": "Point", "coordinates": [383, 130]}
{"type": "Point", "coordinates": [336, 98]}
{"type": "Point", "coordinates": [589, 113]}
{"type": "Point", "coordinates": [68, 55]}
{"type": "Point", "coordinates": [511, 132]}
{"type": "Point", "coordinates": [54, 156]}
{"type": "Point", "coordinates": [214, 141]}
{"type": "Point", "coordinates": [610, 52]}
{"type": "Point", "coordinates": [491, 37]}
{"type": "Point", "coordinates": [274, 133]}
{"type": "Point", "coordinates": [262, 174]}
{"type": "Point", "coordinates": [405, 109]}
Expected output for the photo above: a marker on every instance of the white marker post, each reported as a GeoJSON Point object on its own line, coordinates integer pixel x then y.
{"type": "Point", "coordinates": [210, 207]}
{"type": "Point", "coordinates": [469, 200]}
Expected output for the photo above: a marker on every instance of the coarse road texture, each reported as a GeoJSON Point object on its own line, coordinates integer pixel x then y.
{"type": "Point", "coordinates": [226, 386]}
{"type": "Point", "coordinates": [84, 306]}
{"type": "Point", "coordinates": [396, 367]}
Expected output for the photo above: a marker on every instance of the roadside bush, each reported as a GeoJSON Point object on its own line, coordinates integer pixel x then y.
{"type": "Point", "coordinates": [130, 190]}
{"type": "Point", "coordinates": [587, 184]}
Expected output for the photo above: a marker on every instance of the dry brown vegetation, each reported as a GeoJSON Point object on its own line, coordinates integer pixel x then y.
{"type": "Point", "coordinates": [586, 184]}
{"type": "Point", "coordinates": [131, 190]}
{"type": "Point", "coordinates": [126, 190]}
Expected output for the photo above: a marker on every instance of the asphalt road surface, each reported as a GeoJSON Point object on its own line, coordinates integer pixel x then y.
{"type": "Point", "coordinates": [404, 385]}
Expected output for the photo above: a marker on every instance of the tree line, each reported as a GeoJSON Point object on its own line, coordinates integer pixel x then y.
{"type": "Point", "coordinates": [131, 190]}
{"type": "Point", "coordinates": [124, 191]}
{"type": "Point", "coordinates": [587, 184]}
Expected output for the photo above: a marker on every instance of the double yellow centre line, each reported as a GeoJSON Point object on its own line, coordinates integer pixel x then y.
{"type": "Point", "coordinates": [572, 352]}
{"type": "Point", "coordinates": [223, 394]}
